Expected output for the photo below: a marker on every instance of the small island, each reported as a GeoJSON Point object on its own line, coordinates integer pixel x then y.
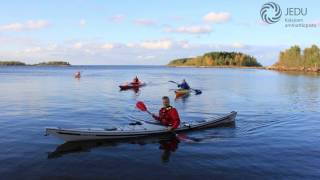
{"type": "Point", "coordinates": [293, 59]}
{"type": "Point", "coordinates": [218, 59]}
{"type": "Point", "coordinates": [12, 63]}
{"type": "Point", "coordinates": [49, 63]}
{"type": "Point", "coordinates": [53, 63]}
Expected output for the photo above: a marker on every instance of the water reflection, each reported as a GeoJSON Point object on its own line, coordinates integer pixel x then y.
{"type": "Point", "coordinates": [294, 73]}
{"type": "Point", "coordinates": [136, 91]}
{"type": "Point", "coordinates": [300, 89]}
{"type": "Point", "coordinates": [183, 99]}
{"type": "Point", "coordinates": [167, 145]}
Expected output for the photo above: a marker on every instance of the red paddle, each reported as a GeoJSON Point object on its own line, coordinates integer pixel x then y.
{"type": "Point", "coordinates": [140, 105]}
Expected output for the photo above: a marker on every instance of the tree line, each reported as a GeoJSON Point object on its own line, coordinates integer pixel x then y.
{"type": "Point", "coordinates": [12, 63]}
{"type": "Point", "coordinates": [294, 57]}
{"type": "Point", "coordinates": [49, 63]}
{"type": "Point", "coordinates": [218, 59]}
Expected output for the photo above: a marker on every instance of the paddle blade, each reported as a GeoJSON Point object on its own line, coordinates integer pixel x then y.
{"type": "Point", "coordinates": [197, 91]}
{"type": "Point", "coordinates": [140, 105]}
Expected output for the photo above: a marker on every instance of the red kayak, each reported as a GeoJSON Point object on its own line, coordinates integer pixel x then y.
{"type": "Point", "coordinates": [131, 85]}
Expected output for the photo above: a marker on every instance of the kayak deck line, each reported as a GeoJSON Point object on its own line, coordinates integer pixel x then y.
{"type": "Point", "coordinates": [136, 130]}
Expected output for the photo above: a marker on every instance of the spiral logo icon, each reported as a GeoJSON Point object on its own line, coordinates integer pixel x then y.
{"type": "Point", "coordinates": [270, 12]}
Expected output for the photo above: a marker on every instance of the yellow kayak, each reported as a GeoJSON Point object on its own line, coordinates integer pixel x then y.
{"type": "Point", "coordinates": [182, 92]}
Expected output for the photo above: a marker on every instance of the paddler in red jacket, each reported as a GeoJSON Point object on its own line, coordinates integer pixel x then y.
{"type": "Point", "coordinates": [77, 75]}
{"type": "Point", "coordinates": [168, 115]}
{"type": "Point", "coordinates": [136, 80]}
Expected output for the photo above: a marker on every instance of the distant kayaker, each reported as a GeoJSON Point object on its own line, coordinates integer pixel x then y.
{"type": "Point", "coordinates": [77, 75]}
{"type": "Point", "coordinates": [168, 115]}
{"type": "Point", "coordinates": [136, 80]}
{"type": "Point", "coordinates": [184, 85]}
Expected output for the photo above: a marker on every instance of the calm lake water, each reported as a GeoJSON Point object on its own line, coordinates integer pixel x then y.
{"type": "Point", "coordinates": [276, 135]}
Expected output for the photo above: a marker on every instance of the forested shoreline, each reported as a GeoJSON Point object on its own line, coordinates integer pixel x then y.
{"type": "Point", "coordinates": [216, 59]}
{"type": "Point", "coordinates": [294, 59]}
{"type": "Point", "coordinates": [49, 63]}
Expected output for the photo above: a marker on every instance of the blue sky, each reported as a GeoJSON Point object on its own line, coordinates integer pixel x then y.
{"type": "Point", "coordinates": [146, 32]}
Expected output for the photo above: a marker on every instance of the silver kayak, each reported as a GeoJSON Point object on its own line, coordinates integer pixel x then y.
{"type": "Point", "coordinates": [136, 130]}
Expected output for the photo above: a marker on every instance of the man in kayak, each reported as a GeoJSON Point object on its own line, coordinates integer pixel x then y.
{"type": "Point", "coordinates": [184, 85]}
{"type": "Point", "coordinates": [136, 80]}
{"type": "Point", "coordinates": [77, 75]}
{"type": "Point", "coordinates": [168, 115]}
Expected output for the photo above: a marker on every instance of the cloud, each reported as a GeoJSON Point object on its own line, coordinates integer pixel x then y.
{"type": "Point", "coordinates": [107, 46]}
{"type": "Point", "coordinates": [151, 52]}
{"type": "Point", "coordinates": [77, 45]}
{"type": "Point", "coordinates": [146, 57]}
{"type": "Point", "coordinates": [90, 46]}
{"type": "Point", "coordinates": [162, 44]}
{"type": "Point", "coordinates": [52, 47]}
{"type": "Point", "coordinates": [28, 25]}
{"type": "Point", "coordinates": [33, 50]}
{"type": "Point", "coordinates": [238, 45]}
{"type": "Point", "coordinates": [200, 29]}
{"type": "Point", "coordinates": [82, 22]}
{"type": "Point", "coordinates": [130, 45]}
{"type": "Point", "coordinates": [117, 18]}
{"type": "Point", "coordinates": [151, 44]}
{"type": "Point", "coordinates": [217, 17]}
{"type": "Point", "coordinates": [145, 22]}
{"type": "Point", "coordinates": [184, 44]}
{"type": "Point", "coordinates": [157, 44]}
{"type": "Point", "coordinates": [17, 41]}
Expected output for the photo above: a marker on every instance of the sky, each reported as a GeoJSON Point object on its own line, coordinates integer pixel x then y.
{"type": "Point", "coordinates": [127, 32]}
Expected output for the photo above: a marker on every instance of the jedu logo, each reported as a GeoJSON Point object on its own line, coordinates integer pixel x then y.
{"type": "Point", "coordinates": [296, 11]}
{"type": "Point", "coordinates": [270, 12]}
